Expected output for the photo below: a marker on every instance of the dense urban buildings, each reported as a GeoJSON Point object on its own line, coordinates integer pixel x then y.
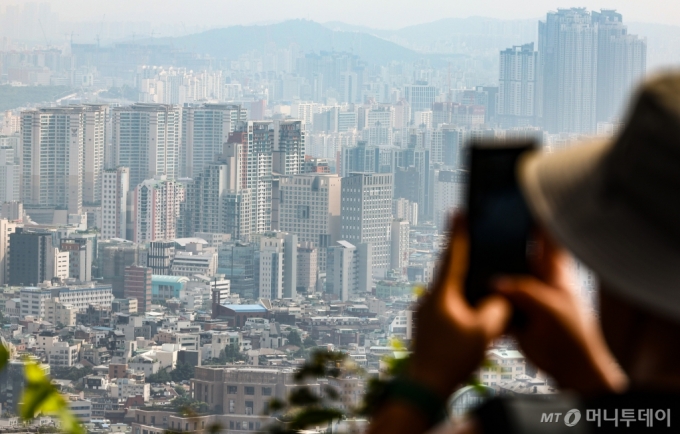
{"type": "Point", "coordinates": [184, 222]}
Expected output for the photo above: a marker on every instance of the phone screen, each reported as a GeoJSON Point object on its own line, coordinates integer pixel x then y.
{"type": "Point", "coordinates": [499, 221]}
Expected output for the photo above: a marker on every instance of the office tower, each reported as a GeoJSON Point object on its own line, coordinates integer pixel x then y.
{"type": "Point", "coordinates": [460, 115]}
{"type": "Point", "coordinates": [307, 267]}
{"type": "Point", "coordinates": [112, 261]}
{"type": "Point", "coordinates": [10, 175]}
{"type": "Point", "coordinates": [237, 261]}
{"type": "Point", "coordinates": [6, 229]}
{"type": "Point", "coordinates": [310, 208]}
{"type": "Point", "coordinates": [146, 139]}
{"type": "Point", "coordinates": [52, 157]}
{"type": "Point", "coordinates": [138, 286]}
{"type": "Point", "coordinates": [414, 164]}
{"type": "Point", "coordinates": [621, 62]}
{"type": "Point", "coordinates": [278, 265]}
{"type": "Point", "coordinates": [159, 257]}
{"type": "Point", "coordinates": [31, 258]}
{"type": "Point", "coordinates": [400, 245]}
{"type": "Point", "coordinates": [258, 140]}
{"type": "Point", "coordinates": [157, 208]}
{"type": "Point", "coordinates": [289, 147]}
{"type": "Point", "coordinates": [568, 47]}
{"type": "Point", "coordinates": [348, 271]}
{"type": "Point", "coordinates": [115, 188]}
{"type": "Point", "coordinates": [379, 124]}
{"type": "Point", "coordinates": [402, 114]}
{"type": "Point", "coordinates": [366, 208]}
{"type": "Point", "coordinates": [205, 129]}
{"type": "Point", "coordinates": [404, 209]}
{"type": "Point", "coordinates": [517, 86]}
{"type": "Point", "coordinates": [350, 91]}
{"type": "Point", "coordinates": [216, 201]}
{"type": "Point", "coordinates": [420, 96]}
{"type": "Point", "coordinates": [96, 118]}
{"type": "Point", "coordinates": [360, 158]}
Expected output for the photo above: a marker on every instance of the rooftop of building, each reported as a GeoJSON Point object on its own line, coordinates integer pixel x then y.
{"type": "Point", "coordinates": [159, 278]}
{"type": "Point", "coordinates": [245, 308]}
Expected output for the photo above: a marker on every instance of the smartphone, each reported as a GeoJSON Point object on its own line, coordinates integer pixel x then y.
{"type": "Point", "coordinates": [500, 224]}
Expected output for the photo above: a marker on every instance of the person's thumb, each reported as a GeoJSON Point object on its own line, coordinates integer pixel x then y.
{"type": "Point", "coordinates": [494, 313]}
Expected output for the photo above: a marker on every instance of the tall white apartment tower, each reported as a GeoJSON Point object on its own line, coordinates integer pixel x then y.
{"type": "Point", "coordinates": [278, 265]}
{"type": "Point", "coordinates": [52, 143]}
{"type": "Point", "coordinates": [93, 151]}
{"type": "Point", "coordinates": [146, 139]}
{"type": "Point", "coordinates": [309, 207]}
{"type": "Point", "coordinates": [115, 188]}
{"type": "Point", "coordinates": [568, 47]}
{"type": "Point", "coordinates": [366, 208]}
{"type": "Point", "coordinates": [289, 147]}
{"type": "Point", "coordinates": [10, 175]}
{"type": "Point", "coordinates": [205, 128]}
{"type": "Point", "coordinates": [257, 138]}
{"type": "Point", "coordinates": [157, 206]}
{"type": "Point", "coordinates": [517, 86]}
{"type": "Point", "coordinates": [6, 228]}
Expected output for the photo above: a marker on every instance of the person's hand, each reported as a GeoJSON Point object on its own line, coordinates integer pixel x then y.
{"type": "Point", "coordinates": [557, 333]}
{"type": "Point", "coordinates": [452, 336]}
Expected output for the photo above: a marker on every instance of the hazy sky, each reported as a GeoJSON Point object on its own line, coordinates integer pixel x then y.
{"type": "Point", "coordinates": [374, 13]}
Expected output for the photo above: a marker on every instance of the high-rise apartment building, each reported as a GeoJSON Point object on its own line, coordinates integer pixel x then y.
{"type": "Point", "coordinates": [289, 147]}
{"type": "Point", "coordinates": [307, 267]}
{"type": "Point", "coordinates": [517, 86]}
{"type": "Point", "coordinates": [10, 175]}
{"type": "Point", "coordinates": [621, 62]}
{"type": "Point", "coordinates": [52, 141]}
{"type": "Point", "coordinates": [216, 201]}
{"type": "Point", "coordinates": [379, 124]}
{"type": "Point", "coordinates": [258, 140]}
{"type": "Point", "coordinates": [366, 208]}
{"type": "Point", "coordinates": [157, 207]}
{"type": "Point", "coordinates": [96, 119]}
{"type": "Point", "coordinates": [309, 207]}
{"type": "Point", "coordinates": [400, 245]}
{"type": "Point", "coordinates": [146, 139]}
{"type": "Point", "coordinates": [205, 128]}
{"type": "Point", "coordinates": [568, 45]}
{"type": "Point", "coordinates": [115, 188]}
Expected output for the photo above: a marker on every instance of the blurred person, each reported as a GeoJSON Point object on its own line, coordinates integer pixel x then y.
{"type": "Point", "coordinates": [613, 204]}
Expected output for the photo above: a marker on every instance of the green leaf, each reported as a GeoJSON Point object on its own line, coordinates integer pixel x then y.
{"type": "Point", "coordinates": [40, 396]}
{"type": "Point", "coordinates": [4, 357]}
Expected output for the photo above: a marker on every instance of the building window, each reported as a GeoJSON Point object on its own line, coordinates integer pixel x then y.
{"type": "Point", "coordinates": [232, 390]}
{"type": "Point", "coordinates": [266, 391]}
{"type": "Point", "coordinates": [249, 390]}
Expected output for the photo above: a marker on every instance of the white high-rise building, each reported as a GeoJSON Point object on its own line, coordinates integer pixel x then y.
{"type": "Point", "coordinates": [52, 143]}
{"type": "Point", "coordinates": [96, 119]}
{"type": "Point", "coordinates": [6, 228]}
{"type": "Point", "coordinates": [379, 123]}
{"type": "Point", "coordinates": [517, 86]}
{"type": "Point", "coordinates": [278, 265]}
{"type": "Point", "coordinates": [348, 271]}
{"type": "Point", "coordinates": [146, 139]}
{"type": "Point", "coordinates": [366, 209]}
{"type": "Point", "coordinates": [115, 188]}
{"type": "Point", "coordinates": [309, 207]}
{"type": "Point", "coordinates": [420, 96]}
{"type": "Point", "coordinates": [205, 129]}
{"type": "Point", "coordinates": [449, 195]}
{"type": "Point", "coordinates": [10, 175]}
{"type": "Point", "coordinates": [568, 47]}
{"type": "Point", "coordinates": [157, 206]}
{"type": "Point", "coordinates": [400, 245]}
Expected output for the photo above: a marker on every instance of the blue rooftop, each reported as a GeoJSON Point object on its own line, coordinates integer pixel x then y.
{"type": "Point", "coordinates": [245, 308]}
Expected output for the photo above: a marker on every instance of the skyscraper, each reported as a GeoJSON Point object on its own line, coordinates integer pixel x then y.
{"type": "Point", "coordinates": [420, 96]}
{"type": "Point", "coordinates": [621, 62]}
{"type": "Point", "coordinates": [52, 157]}
{"type": "Point", "coordinates": [568, 47]}
{"type": "Point", "coordinates": [278, 265]}
{"type": "Point", "coordinates": [310, 208]}
{"type": "Point", "coordinates": [517, 86]}
{"type": "Point", "coordinates": [205, 129]}
{"type": "Point", "coordinates": [146, 139]}
{"type": "Point", "coordinates": [257, 138]}
{"type": "Point", "coordinates": [289, 147]}
{"type": "Point", "coordinates": [366, 208]}
{"type": "Point", "coordinates": [348, 270]}
{"type": "Point", "coordinates": [6, 229]}
{"type": "Point", "coordinates": [215, 200]}
{"type": "Point", "coordinates": [115, 188]}
{"type": "Point", "coordinates": [32, 257]}
{"type": "Point", "coordinates": [93, 151]}
{"type": "Point", "coordinates": [138, 286]}
{"type": "Point", "coordinates": [157, 207]}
